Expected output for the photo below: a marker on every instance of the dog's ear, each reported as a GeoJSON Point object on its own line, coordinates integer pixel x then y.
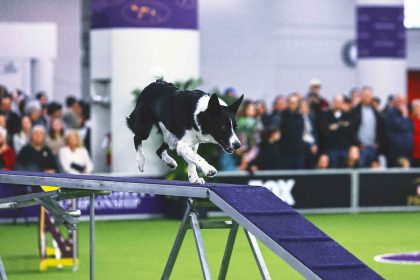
{"type": "Point", "coordinates": [235, 105]}
{"type": "Point", "coordinates": [214, 105]}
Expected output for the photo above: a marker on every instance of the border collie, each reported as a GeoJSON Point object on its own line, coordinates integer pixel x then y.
{"type": "Point", "coordinates": [186, 119]}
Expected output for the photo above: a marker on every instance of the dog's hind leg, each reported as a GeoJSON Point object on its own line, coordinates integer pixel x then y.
{"type": "Point", "coordinates": [192, 171]}
{"type": "Point", "coordinates": [162, 153]}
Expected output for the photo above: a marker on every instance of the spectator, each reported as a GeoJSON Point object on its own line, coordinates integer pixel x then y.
{"type": "Point", "coordinates": [316, 101]}
{"type": "Point", "coordinates": [323, 162]}
{"type": "Point", "coordinates": [399, 132]}
{"type": "Point", "coordinates": [368, 129]}
{"type": "Point", "coordinates": [248, 134]}
{"type": "Point", "coordinates": [292, 146]}
{"type": "Point", "coordinates": [3, 121]}
{"type": "Point", "coordinates": [310, 136]}
{"type": "Point", "coordinates": [36, 156]}
{"type": "Point", "coordinates": [42, 98]}
{"type": "Point", "coordinates": [21, 138]}
{"type": "Point", "coordinates": [262, 114]}
{"type": "Point", "coordinates": [403, 162]}
{"type": "Point", "coordinates": [353, 158]}
{"type": "Point", "coordinates": [7, 155]}
{"type": "Point", "coordinates": [55, 138]}
{"type": "Point", "coordinates": [355, 97]}
{"type": "Point", "coordinates": [279, 105]}
{"type": "Point", "coordinates": [54, 110]}
{"type": "Point", "coordinates": [73, 157]}
{"type": "Point", "coordinates": [72, 117]}
{"type": "Point", "coordinates": [12, 119]}
{"type": "Point", "coordinates": [347, 104]}
{"type": "Point", "coordinates": [337, 132]}
{"type": "Point", "coordinates": [268, 157]}
{"type": "Point", "coordinates": [415, 118]}
{"type": "Point", "coordinates": [376, 103]}
{"type": "Point", "coordinates": [34, 110]}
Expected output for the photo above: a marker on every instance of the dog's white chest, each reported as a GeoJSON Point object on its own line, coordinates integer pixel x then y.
{"type": "Point", "coordinates": [168, 137]}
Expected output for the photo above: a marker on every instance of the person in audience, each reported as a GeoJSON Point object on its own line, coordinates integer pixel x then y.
{"type": "Point", "coordinates": [262, 114]}
{"type": "Point", "coordinates": [55, 138]}
{"type": "Point", "coordinates": [337, 132]}
{"type": "Point", "coordinates": [3, 121]}
{"type": "Point", "coordinates": [42, 98]}
{"type": "Point", "coordinates": [415, 118]}
{"type": "Point", "coordinates": [73, 157]}
{"type": "Point", "coordinates": [368, 128]}
{"type": "Point", "coordinates": [316, 101]}
{"type": "Point", "coordinates": [376, 103]}
{"type": "Point", "coordinates": [7, 155]}
{"type": "Point", "coordinates": [72, 117]}
{"type": "Point", "coordinates": [248, 134]}
{"type": "Point", "coordinates": [323, 162]}
{"type": "Point", "coordinates": [399, 132]}
{"type": "Point", "coordinates": [310, 135]}
{"type": "Point", "coordinates": [292, 146]}
{"type": "Point", "coordinates": [54, 110]}
{"type": "Point", "coordinates": [21, 138]}
{"type": "Point", "coordinates": [353, 158]}
{"type": "Point", "coordinates": [403, 162]}
{"type": "Point", "coordinates": [34, 110]}
{"type": "Point", "coordinates": [36, 156]}
{"type": "Point", "coordinates": [347, 104]}
{"type": "Point", "coordinates": [268, 157]}
{"type": "Point", "coordinates": [12, 119]}
{"type": "Point", "coordinates": [279, 105]}
{"type": "Point", "coordinates": [355, 97]}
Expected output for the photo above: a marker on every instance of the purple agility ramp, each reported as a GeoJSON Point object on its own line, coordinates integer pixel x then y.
{"type": "Point", "coordinates": [277, 225]}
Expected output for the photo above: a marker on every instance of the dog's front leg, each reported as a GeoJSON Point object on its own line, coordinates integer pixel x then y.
{"type": "Point", "coordinates": [186, 151]}
{"type": "Point", "coordinates": [192, 171]}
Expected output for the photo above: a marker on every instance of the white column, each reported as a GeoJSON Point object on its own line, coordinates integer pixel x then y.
{"type": "Point", "coordinates": [43, 76]}
{"type": "Point", "coordinates": [381, 46]}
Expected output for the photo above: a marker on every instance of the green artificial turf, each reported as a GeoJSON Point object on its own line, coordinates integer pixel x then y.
{"type": "Point", "coordinates": [139, 249]}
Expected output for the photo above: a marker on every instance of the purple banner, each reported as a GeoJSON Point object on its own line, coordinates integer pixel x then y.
{"type": "Point", "coordinates": [381, 32]}
{"type": "Point", "coordinates": [177, 14]}
{"type": "Point", "coordinates": [119, 204]}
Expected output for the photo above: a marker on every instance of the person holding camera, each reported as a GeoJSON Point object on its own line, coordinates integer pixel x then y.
{"type": "Point", "coordinates": [73, 157]}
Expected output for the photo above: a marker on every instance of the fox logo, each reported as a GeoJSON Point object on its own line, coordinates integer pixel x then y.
{"type": "Point", "coordinates": [281, 188]}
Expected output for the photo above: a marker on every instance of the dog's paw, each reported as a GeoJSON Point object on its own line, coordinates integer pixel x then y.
{"type": "Point", "coordinates": [196, 180]}
{"type": "Point", "coordinates": [141, 168]}
{"type": "Point", "coordinates": [209, 171]}
{"type": "Point", "coordinates": [171, 163]}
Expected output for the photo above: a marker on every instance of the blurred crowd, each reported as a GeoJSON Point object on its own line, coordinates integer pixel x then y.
{"type": "Point", "coordinates": [307, 131]}
{"type": "Point", "coordinates": [37, 134]}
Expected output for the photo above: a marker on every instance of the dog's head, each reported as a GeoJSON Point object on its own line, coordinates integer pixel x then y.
{"type": "Point", "coordinates": [219, 121]}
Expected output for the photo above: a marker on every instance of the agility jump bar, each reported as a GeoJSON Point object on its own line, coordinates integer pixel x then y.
{"type": "Point", "coordinates": [278, 226]}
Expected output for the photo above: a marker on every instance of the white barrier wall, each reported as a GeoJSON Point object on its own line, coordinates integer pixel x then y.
{"type": "Point", "coordinates": [127, 53]}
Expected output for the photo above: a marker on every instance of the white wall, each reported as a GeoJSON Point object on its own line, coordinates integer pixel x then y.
{"type": "Point", "coordinates": [67, 15]}
{"type": "Point", "coordinates": [413, 49]}
{"type": "Point", "coordinates": [265, 48]}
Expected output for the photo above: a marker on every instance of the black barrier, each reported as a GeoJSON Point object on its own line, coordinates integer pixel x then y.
{"type": "Point", "coordinates": [303, 191]}
{"type": "Point", "coordinates": [389, 189]}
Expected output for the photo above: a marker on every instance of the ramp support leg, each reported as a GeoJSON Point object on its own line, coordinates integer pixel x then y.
{"type": "Point", "coordinates": [2, 271]}
{"type": "Point", "coordinates": [195, 226]}
{"type": "Point", "coordinates": [228, 251]}
{"type": "Point", "coordinates": [258, 256]}
{"type": "Point", "coordinates": [92, 237]}
{"type": "Point", "coordinates": [177, 244]}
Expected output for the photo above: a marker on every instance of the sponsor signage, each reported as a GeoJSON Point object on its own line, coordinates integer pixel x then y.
{"type": "Point", "coordinates": [303, 191]}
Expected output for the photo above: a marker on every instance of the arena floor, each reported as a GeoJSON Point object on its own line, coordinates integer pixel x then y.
{"type": "Point", "coordinates": [138, 249]}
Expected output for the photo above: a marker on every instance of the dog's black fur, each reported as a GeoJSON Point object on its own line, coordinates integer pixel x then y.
{"type": "Point", "coordinates": [184, 115]}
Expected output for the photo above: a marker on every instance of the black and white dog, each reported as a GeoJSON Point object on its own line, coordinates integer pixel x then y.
{"type": "Point", "coordinates": [186, 119]}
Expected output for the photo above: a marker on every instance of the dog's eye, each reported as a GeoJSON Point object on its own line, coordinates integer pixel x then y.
{"type": "Point", "coordinates": [224, 127]}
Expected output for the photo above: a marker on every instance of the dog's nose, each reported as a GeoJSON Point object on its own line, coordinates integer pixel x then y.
{"type": "Point", "coordinates": [236, 145]}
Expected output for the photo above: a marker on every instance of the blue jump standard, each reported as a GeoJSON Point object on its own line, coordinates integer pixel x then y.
{"type": "Point", "coordinates": [281, 228]}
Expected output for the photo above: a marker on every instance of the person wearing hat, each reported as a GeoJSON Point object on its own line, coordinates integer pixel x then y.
{"type": "Point", "coordinates": [316, 101]}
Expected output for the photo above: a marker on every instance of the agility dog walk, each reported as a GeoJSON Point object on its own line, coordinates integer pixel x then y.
{"type": "Point", "coordinates": [287, 233]}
